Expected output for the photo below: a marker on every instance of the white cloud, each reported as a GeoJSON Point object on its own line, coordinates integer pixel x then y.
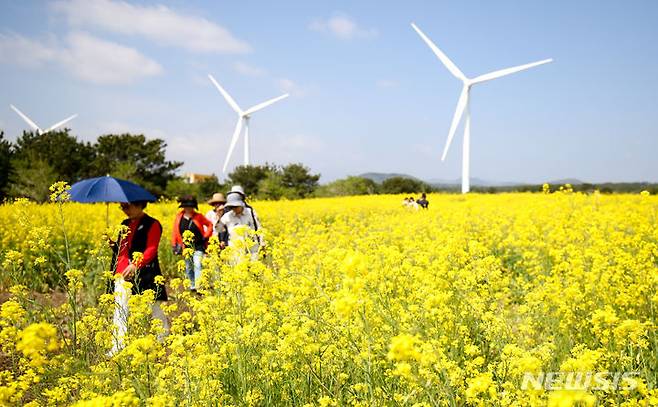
{"type": "Point", "coordinates": [99, 61]}
{"type": "Point", "coordinates": [290, 86]}
{"type": "Point", "coordinates": [428, 151]}
{"type": "Point", "coordinates": [84, 56]}
{"type": "Point", "coordinates": [287, 148]}
{"type": "Point", "coordinates": [26, 52]}
{"type": "Point", "coordinates": [302, 144]}
{"type": "Point", "coordinates": [248, 70]}
{"type": "Point", "coordinates": [157, 23]}
{"type": "Point", "coordinates": [187, 148]}
{"type": "Point", "coordinates": [386, 84]}
{"type": "Point", "coordinates": [342, 27]}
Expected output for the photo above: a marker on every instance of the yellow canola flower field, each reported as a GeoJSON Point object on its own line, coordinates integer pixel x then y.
{"type": "Point", "coordinates": [506, 300]}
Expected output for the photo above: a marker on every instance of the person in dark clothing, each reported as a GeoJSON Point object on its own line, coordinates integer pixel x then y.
{"type": "Point", "coordinates": [423, 202]}
{"type": "Point", "coordinates": [135, 260]}
{"type": "Point", "coordinates": [201, 229]}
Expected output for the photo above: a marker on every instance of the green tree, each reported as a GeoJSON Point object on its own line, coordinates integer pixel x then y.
{"type": "Point", "coordinates": [209, 186]}
{"type": "Point", "coordinates": [145, 159]}
{"type": "Point", "coordinates": [6, 153]}
{"type": "Point", "coordinates": [249, 176]}
{"type": "Point", "coordinates": [348, 186]}
{"type": "Point", "coordinates": [31, 177]}
{"type": "Point", "coordinates": [402, 185]}
{"type": "Point", "coordinates": [125, 170]}
{"type": "Point", "coordinates": [67, 157]}
{"type": "Point", "coordinates": [298, 178]}
{"type": "Point", "coordinates": [203, 190]}
{"type": "Point", "coordinates": [272, 187]}
{"type": "Point", "coordinates": [179, 187]}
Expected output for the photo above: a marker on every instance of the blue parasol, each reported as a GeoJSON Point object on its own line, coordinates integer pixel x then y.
{"type": "Point", "coordinates": [108, 189]}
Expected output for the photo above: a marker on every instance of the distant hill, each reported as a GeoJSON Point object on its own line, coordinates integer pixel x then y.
{"type": "Point", "coordinates": [474, 181]}
{"type": "Point", "coordinates": [380, 177]}
{"type": "Point", "coordinates": [572, 181]}
{"type": "Point", "coordinates": [498, 186]}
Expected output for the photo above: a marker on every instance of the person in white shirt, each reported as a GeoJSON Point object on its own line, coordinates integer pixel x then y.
{"type": "Point", "coordinates": [239, 191]}
{"type": "Point", "coordinates": [239, 215]}
{"type": "Point", "coordinates": [214, 215]}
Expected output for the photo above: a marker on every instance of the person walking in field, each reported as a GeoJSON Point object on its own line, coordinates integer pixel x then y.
{"type": "Point", "coordinates": [135, 260]}
{"type": "Point", "coordinates": [200, 229]}
{"type": "Point", "coordinates": [239, 191]}
{"type": "Point", "coordinates": [423, 202]}
{"type": "Point", "coordinates": [215, 214]}
{"type": "Point", "coordinates": [239, 215]}
{"type": "Point", "coordinates": [249, 210]}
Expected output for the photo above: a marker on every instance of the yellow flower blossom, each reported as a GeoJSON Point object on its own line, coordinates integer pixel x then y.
{"type": "Point", "coordinates": [356, 302]}
{"type": "Point", "coordinates": [35, 341]}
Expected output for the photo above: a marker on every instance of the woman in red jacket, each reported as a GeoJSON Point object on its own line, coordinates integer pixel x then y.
{"type": "Point", "coordinates": [143, 236]}
{"type": "Point", "coordinates": [201, 228]}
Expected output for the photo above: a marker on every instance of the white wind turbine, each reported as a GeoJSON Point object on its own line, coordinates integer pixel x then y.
{"type": "Point", "coordinates": [463, 103]}
{"type": "Point", "coordinates": [38, 129]}
{"type": "Point", "coordinates": [243, 120]}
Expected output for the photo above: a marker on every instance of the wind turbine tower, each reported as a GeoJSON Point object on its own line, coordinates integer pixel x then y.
{"type": "Point", "coordinates": [464, 99]}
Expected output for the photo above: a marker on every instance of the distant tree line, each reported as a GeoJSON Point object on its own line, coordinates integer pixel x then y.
{"type": "Point", "coordinates": [366, 186]}
{"type": "Point", "coordinates": [269, 181]}
{"type": "Point", "coordinates": [405, 185]}
{"type": "Point", "coordinates": [33, 162]}
{"type": "Point", "coordinates": [294, 181]}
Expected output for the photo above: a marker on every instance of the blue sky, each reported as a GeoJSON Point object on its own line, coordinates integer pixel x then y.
{"type": "Point", "coordinates": [366, 93]}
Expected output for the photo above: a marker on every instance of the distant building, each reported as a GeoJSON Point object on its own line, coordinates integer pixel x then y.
{"type": "Point", "coordinates": [192, 178]}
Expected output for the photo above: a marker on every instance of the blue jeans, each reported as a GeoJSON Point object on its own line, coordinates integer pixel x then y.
{"type": "Point", "coordinates": [193, 268]}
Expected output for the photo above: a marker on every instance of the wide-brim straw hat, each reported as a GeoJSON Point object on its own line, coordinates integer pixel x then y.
{"type": "Point", "coordinates": [217, 198]}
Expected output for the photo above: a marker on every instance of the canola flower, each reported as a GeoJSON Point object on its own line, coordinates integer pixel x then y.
{"type": "Point", "coordinates": [354, 301]}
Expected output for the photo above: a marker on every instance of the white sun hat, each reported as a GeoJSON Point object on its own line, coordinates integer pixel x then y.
{"type": "Point", "coordinates": [234, 200]}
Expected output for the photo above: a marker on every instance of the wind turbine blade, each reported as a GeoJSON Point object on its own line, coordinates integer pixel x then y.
{"type": "Point", "coordinates": [27, 119]}
{"type": "Point", "coordinates": [508, 71]}
{"type": "Point", "coordinates": [224, 93]}
{"type": "Point", "coordinates": [443, 57]}
{"type": "Point", "coordinates": [264, 104]}
{"type": "Point", "coordinates": [59, 124]}
{"type": "Point", "coordinates": [234, 141]}
{"type": "Point", "coordinates": [459, 111]}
